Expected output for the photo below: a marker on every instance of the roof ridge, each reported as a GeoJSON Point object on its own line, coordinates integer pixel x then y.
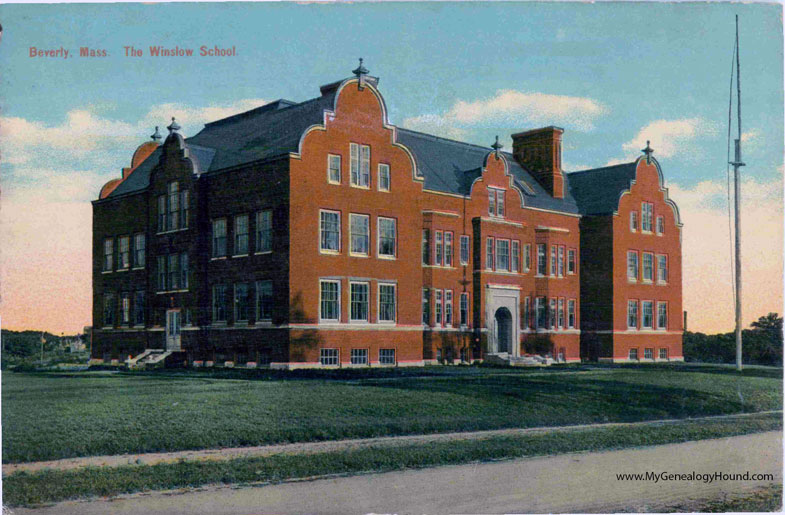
{"type": "Point", "coordinates": [449, 140]}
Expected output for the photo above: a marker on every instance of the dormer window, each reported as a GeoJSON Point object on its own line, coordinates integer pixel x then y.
{"type": "Point", "coordinates": [495, 202]}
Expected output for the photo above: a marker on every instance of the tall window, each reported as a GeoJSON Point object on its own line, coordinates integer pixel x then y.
{"type": "Point", "coordinates": [633, 354]}
{"type": "Point", "coordinates": [553, 260]}
{"type": "Point", "coordinates": [503, 255]}
{"type": "Point", "coordinates": [464, 309]}
{"type": "Point", "coordinates": [561, 261]}
{"type": "Point", "coordinates": [360, 164]}
{"type": "Point", "coordinates": [571, 313]}
{"type": "Point", "coordinates": [561, 314]}
{"type": "Point", "coordinates": [489, 253]}
{"type": "Point", "coordinates": [527, 257]}
{"type": "Point", "coordinates": [173, 206]}
{"type": "Point", "coordinates": [139, 250]}
{"type": "Point", "coordinates": [108, 254]}
{"type": "Point", "coordinates": [439, 249]}
{"type": "Point", "coordinates": [387, 236]}
{"type": "Point", "coordinates": [330, 298]}
{"type": "Point", "coordinates": [571, 261]}
{"type": "Point", "coordinates": [516, 250]}
{"type": "Point", "coordinates": [648, 266]}
{"type": "Point", "coordinates": [439, 302]}
{"type": "Point", "coordinates": [499, 203]}
{"type": "Point", "coordinates": [648, 314]}
{"type": "Point", "coordinates": [109, 309]}
{"type": "Point", "coordinates": [632, 314]}
{"type": "Point", "coordinates": [660, 225]}
{"type": "Point", "coordinates": [384, 177]}
{"type": "Point", "coordinates": [359, 230]}
{"type": "Point", "coordinates": [330, 231]}
{"type": "Point", "coordinates": [264, 231]}
{"type": "Point", "coordinates": [173, 269]}
{"type": "Point", "coordinates": [359, 301]}
{"type": "Point", "coordinates": [447, 248]}
{"type": "Point", "coordinates": [648, 353]}
{"type": "Point", "coordinates": [426, 247]}
{"type": "Point", "coordinates": [426, 306]}
{"type": "Point", "coordinates": [541, 313]}
{"type": "Point", "coordinates": [632, 265]}
{"type": "Point", "coordinates": [125, 309]}
{"type": "Point", "coordinates": [526, 312]}
{"type": "Point", "coordinates": [386, 302]}
{"type": "Point", "coordinates": [219, 303]}
{"type": "Point", "coordinates": [662, 269]}
{"type": "Point", "coordinates": [162, 213]}
{"type": "Point", "coordinates": [663, 353]}
{"type": "Point", "coordinates": [219, 237]}
{"type": "Point", "coordinates": [495, 202]}
{"type": "Point", "coordinates": [541, 260]}
{"type": "Point", "coordinates": [334, 169]}
{"type": "Point", "coordinates": [139, 308]}
{"type": "Point", "coordinates": [123, 252]}
{"type": "Point", "coordinates": [241, 235]}
{"type": "Point", "coordinates": [242, 302]}
{"type": "Point", "coordinates": [492, 202]}
{"type": "Point", "coordinates": [633, 221]}
{"type": "Point", "coordinates": [464, 249]}
{"type": "Point", "coordinates": [662, 315]}
{"type": "Point", "coordinates": [161, 273]}
{"type": "Point", "coordinates": [448, 307]}
{"type": "Point", "coordinates": [184, 209]}
{"type": "Point", "coordinates": [646, 214]}
{"type": "Point", "coordinates": [552, 314]}
{"type": "Point", "coordinates": [184, 271]}
{"type": "Point", "coordinates": [264, 300]}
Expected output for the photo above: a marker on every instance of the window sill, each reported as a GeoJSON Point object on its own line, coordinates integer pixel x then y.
{"type": "Point", "coordinates": [646, 232]}
{"type": "Point", "coordinates": [217, 258]}
{"type": "Point", "coordinates": [662, 283]}
{"type": "Point", "coordinates": [334, 183]}
{"type": "Point", "coordinates": [171, 291]}
{"type": "Point", "coordinates": [360, 322]}
{"type": "Point", "coordinates": [386, 257]}
{"type": "Point", "coordinates": [329, 321]}
{"type": "Point", "coordinates": [359, 187]}
{"type": "Point", "coordinates": [262, 252]}
{"type": "Point", "coordinates": [138, 268]}
{"type": "Point", "coordinates": [387, 322]}
{"type": "Point", "coordinates": [172, 231]}
{"type": "Point", "coordinates": [646, 281]}
{"type": "Point", "coordinates": [122, 269]}
{"type": "Point", "coordinates": [264, 323]}
{"type": "Point", "coordinates": [106, 272]}
{"type": "Point", "coordinates": [327, 252]}
{"type": "Point", "coordinates": [632, 281]}
{"type": "Point", "coordinates": [383, 191]}
{"type": "Point", "coordinates": [239, 255]}
{"type": "Point", "coordinates": [357, 255]}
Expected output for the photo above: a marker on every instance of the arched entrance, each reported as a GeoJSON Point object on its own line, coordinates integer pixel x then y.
{"type": "Point", "coordinates": [503, 319]}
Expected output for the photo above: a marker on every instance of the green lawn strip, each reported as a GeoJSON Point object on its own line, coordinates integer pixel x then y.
{"type": "Point", "coordinates": [55, 416]}
{"type": "Point", "coordinates": [24, 489]}
{"type": "Point", "coordinates": [766, 499]}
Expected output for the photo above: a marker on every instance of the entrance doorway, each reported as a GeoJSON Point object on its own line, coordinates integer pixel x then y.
{"type": "Point", "coordinates": [173, 329]}
{"type": "Point", "coordinates": [503, 319]}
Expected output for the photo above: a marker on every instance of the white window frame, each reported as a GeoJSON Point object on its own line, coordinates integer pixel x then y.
{"type": "Point", "coordinates": [630, 354]}
{"type": "Point", "coordinates": [552, 314]}
{"type": "Point", "coordinates": [491, 202]}
{"type": "Point", "coordinates": [328, 356]}
{"type": "Point", "coordinates": [660, 280]}
{"type": "Point", "coordinates": [500, 243]}
{"type": "Point", "coordinates": [632, 309]}
{"type": "Point", "coordinates": [448, 254]}
{"type": "Point", "coordinates": [337, 300]}
{"type": "Point", "coordinates": [425, 247]}
{"type": "Point", "coordinates": [359, 357]}
{"type": "Point", "coordinates": [571, 261]}
{"type": "Point", "coordinates": [660, 225]}
{"type": "Point", "coordinates": [140, 250]}
{"type": "Point", "coordinates": [385, 359]}
{"type": "Point", "coordinates": [330, 169]}
{"type": "Point", "coordinates": [367, 302]}
{"type": "Point", "coordinates": [662, 327]}
{"type": "Point", "coordinates": [213, 238]}
{"type": "Point", "coordinates": [448, 308]}
{"type": "Point", "coordinates": [633, 221]}
{"type": "Point", "coordinates": [540, 305]}
{"type": "Point", "coordinates": [259, 219]}
{"type": "Point", "coordinates": [527, 257]}
{"type": "Point", "coordinates": [650, 255]}
{"type": "Point", "coordinates": [352, 251]}
{"type": "Point", "coordinates": [425, 307]}
{"type": "Point", "coordinates": [525, 319]}
{"type": "Point", "coordinates": [438, 255]}
{"type": "Point", "coordinates": [383, 176]}
{"type": "Point", "coordinates": [379, 253]}
{"type": "Point", "coordinates": [236, 234]}
{"type": "Point", "coordinates": [630, 262]}
{"type": "Point", "coordinates": [323, 250]}
{"type": "Point", "coordinates": [108, 253]}
{"type": "Point", "coordinates": [124, 256]}
{"type": "Point", "coordinates": [660, 353]}
{"type": "Point", "coordinates": [258, 304]}
{"type": "Point", "coordinates": [464, 256]}
{"type": "Point", "coordinates": [644, 305]}
{"type": "Point", "coordinates": [571, 318]}
{"type": "Point", "coordinates": [515, 256]}
{"type": "Point", "coordinates": [553, 260]}
{"type": "Point", "coordinates": [648, 353]}
{"type": "Point", "coordinates": [235, 297]}
{"type": "Point", "coordinates": [490, 253]}
{"type": "Point", "coordinates": [463, 307]}
{"type": "Point", "coordinates": [561, 261]}
{"type": "Point", "coordinates": [217, 306]}
{"type": "Point", "coordinates": [379, 286]}
{"type": "Point", "coordinates": [439, 301]}
{"type": "Point", "coordinates": [647, 212]}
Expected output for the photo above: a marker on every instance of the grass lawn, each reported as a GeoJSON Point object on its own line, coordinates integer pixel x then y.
{"type": "Point", "coordinates": [51, 416]}
{"type": "Point", "coordinates": [51, 486]}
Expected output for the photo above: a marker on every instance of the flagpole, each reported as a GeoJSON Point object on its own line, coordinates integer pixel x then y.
{"type": "Point", "coordinates": [737, 163]}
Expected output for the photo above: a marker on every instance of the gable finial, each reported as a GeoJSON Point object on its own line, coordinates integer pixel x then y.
{"type": "Point", "coordinates": [156, 135]}
{"type": "Point", "coordinates": [648, 151]}
{"type": "Point", "coordinates": [174, 126]}
{"type": "Point", "coordinates": [360, 70]}
{"type": "Point", "coordinates": [496, 146]}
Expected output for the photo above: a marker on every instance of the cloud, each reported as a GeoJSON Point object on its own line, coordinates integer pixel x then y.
{"type": "Point", "coordinates": [706, 251]}
{"type": "Point", "coordinates": [509, 108]}
{"type": "Point", "coordinates": [669, 137]}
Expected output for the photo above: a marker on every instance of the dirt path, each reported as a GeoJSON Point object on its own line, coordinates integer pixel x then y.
{"type": "Point", "coordinates": [229, 453]}
{"type": "Point", "coordinates": [584, 482]}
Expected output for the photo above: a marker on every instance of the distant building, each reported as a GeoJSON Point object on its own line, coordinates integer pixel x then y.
{"type": "Point", "coordinates": [317, 234]}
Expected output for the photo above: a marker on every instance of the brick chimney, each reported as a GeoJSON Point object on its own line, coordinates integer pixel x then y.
{"type": "Point", "coordinates": [539, 152]}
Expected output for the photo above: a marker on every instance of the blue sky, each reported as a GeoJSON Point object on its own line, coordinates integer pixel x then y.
{"type": "Point", "coordinates": [613, 75]}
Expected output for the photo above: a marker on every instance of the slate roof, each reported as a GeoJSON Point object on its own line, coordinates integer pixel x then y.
{"type": "Point", "coordinates": [446, 165]}
{"type": "Point", "coordinates": [597, 190]}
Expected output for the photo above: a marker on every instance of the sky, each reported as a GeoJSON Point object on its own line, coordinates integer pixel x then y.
{"type": "Point", "coordinates": [613, 75]}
